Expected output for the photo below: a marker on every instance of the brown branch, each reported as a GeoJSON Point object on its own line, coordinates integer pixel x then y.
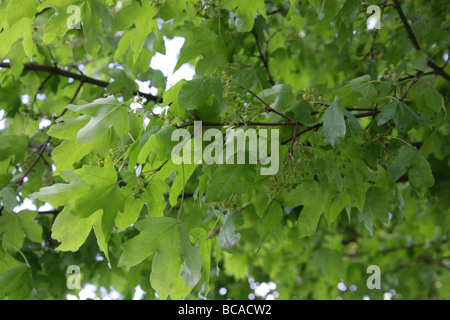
{"type": "Point", "coordinates": [412, 77]}
{"type": "Point", "coordinates": [44, 146]}
{"type": "Point", "coordinates": [42, 12]}
{"type": "Point", "coordinates": [55, 212]}
{"type": "Point", "coordinates": [413, 82]}
{"type": "Point", "coordinates": [372, 47]}
{"type": "Point", "coordinates": [71, 101]}
{"type": "Point", "coordinates": [80, 77]}
{"type": "Point", "coordinates": [240, 124]}
{"type": "Point", "coordinates": [38, 147]}
{"type": "Point", "coordinates": [295, 124]}
{"type": "Point", "coordinates": [317, 126]}
{"type": "Point", "coordinates": [264, 57]}
{"type": "Point", "coordinates": [41, 152]}
{"type": "Point", "coordinates": [294, 140]}
{"type": "Point", "coordinates": [266, 105]}
{"type": "Point", "coordinates": [394, 249]}
{"type": "Point", "coordinates": [437, 70]}
{"type": "Point", "coordinates": [408, 29]}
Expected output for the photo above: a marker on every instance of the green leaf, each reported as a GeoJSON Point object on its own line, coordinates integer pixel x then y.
{"type": "Point", "coordinates": [66, 128]}
{"type": "Point", "coordinates": [71, 230]}
{"type": "Point", "coordinates": [61, 194]}
{"type": "Point", "coordinates": [376, 205]}
{"type": "Point", "coordinates": [106, 113]}
{"type": "Point", "coordinates": [224, 182]}
{"type": "Point", "coordinates": [329, 263]}
{"type": "Point", "coordinates": [419, 170]}
{"type": "Point", "coordinates": [170, 243]}
{"type": "Point", "coordinates": [30, 227]}
{"type": "Point", "coordinates": [12, 231]}
{"type": "Point", "coordinates": [93, 15]}
{"type": "Point", "coordinates": [91, 189]}
{"type": "Point", "coordinates": [367, 90]}
{"type": "Point", "coordinates": [336, 208]}
{"type": "Point", "coordinates": [404, 117]}
{"type": "Point", "coordinates": [13, 145]}
{"type": "Point", "coordinates": [20, 30]}
{"type": "Point", "coordinates": [354, 187]}
{"type": "Point", "coordinates": [195, 93]}
{"type": "Point", "coordinates": [245, 13]}
{"type": "Point", "coordinates": [302, 112]}
{"type": "Point", "coordinates": [17, 10]}
{"type": "Point", "coordinates": [279, 97]}
{"type": "Point", "coordinates": [164, 143]}
{"type": "Point", "coordinates": [309, 195]}
{"type": "Point", "coordinates": [333, 173]}
{"type": "Point", "coordinates": [196, 46]}
{"type": "Point", "coordinates": [17, 57]}
{"type": "Point", "coordinates": [427, 98]}
{"type": "Point", "coordinates": [16, 225]}
{"type": "Point", "coordinates": [142, 16]}
{"type": "Point", "coordinates": [154, 197]}
{"type": "Point", "coordinates": [270, 220]}
{"type": "Point", "coordinates": [8, 198]}
{"type": "Point", "coordinates": [200, 239]}
{"type": "Point", "coordinates": [130, 214]}
{"type": "Point", "coordinates": [228, 238]}
{"type": "Point", "coordinates": [16, 283]}
{"type": "Point", "coordinates": [177, 186]}
{"type": "Point", "coordinates": [334, 127]}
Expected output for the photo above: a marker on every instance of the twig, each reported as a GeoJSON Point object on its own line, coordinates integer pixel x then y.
{"type": "Point", "coordinates": [182, 197]}
{"type": "Point", "coordinates": [41, 152]}
{"type": "Point", "coordinates": [264, 57]}
{"type": "Point", "coordinates": [38, 147]}
{"type": "Point", "coordinates": [211, 234]}
{"type": "Point", "coordinates": [317, 126]}
{"type": "Point", "coordinates": [413, 82]}
{"type": "Point", "coordinates": [47, 141]}
{"type": "Point", "coordinates": [412, 37]}
{"type": "Point", "coordinates": [55, 212]}
{"type": "Point", "coordinates": [294, 140]}
{"type": "Point", "coordinates": [266, 105]}
{"type": "Point", "coordinates": [71, 101]}
{"type": "Point", "coordinates": [239, 124]}
{"type": "Point", "coordinates": [75, 76]}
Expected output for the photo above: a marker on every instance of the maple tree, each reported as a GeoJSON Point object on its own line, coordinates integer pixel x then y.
{"type": "Point", "coordinates": [364, 148]}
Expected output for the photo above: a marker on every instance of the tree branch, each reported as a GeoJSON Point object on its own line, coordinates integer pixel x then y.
{"type": "Point", "coordinates": [412, 37]}
{"type": "Point", "coordinates": [264, 58]}
{"type": "Point", "coordinates": [41, 152]}
{"type": "Point", "coordinates": [240, 124]}
{"type": "Point", "coordinates": [394, 249]}
{"type": "Point", "coordinates": [317, 126]}
{"type": "Point", "coordinates": [80, 77]}
{"type": "Point", "coordinates": [38, 147]}
{"type": "Point", "coordinates": [266, 105]}
{"type": "Point", "coordinates": [71, 101]}
{"type": "Point", "coordinates": [413, 82]}
{"type": "Point", "coordinates": [44, 146]}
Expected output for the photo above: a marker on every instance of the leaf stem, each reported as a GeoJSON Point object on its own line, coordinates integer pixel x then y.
{"type": "Point", "coordinates": [214, 226]}
{"type": "Point", "coordinates": [21, 253]}
{"type": "Point", "coordinates": [182, 196]}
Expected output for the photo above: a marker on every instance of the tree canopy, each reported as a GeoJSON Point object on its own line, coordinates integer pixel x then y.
{"type": "Point", "coordinates": [357, 90]}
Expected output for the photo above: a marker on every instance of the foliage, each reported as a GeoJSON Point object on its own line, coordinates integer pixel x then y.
{"type": "Point", "coordinates": [364, 148]}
